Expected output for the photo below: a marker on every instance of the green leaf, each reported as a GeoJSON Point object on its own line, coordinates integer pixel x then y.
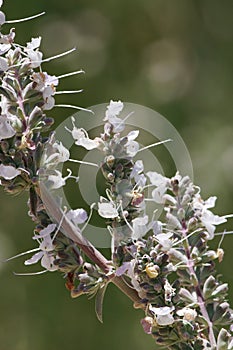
{"type": "Point", "coordinates": [99, 302]}
{"type": "Point", "coordinates": [209, 286]}
{"type": "Point", "coordinates": [223, 340]}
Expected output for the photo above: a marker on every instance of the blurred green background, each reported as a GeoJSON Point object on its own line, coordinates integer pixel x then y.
{"type": "Point", "coordinates": [172, 56]}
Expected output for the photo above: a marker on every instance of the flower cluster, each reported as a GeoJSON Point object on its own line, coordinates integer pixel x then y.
{"type": "Point", "coordinates": [165, 267]}
{"type": "Point", "coordinates": [174, 272]}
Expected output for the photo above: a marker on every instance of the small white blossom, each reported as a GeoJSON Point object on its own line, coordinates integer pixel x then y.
{"type": "Point", "coordinates": [6, 130]}
{"type": "Point", "coordinates": [132, 147]}
{"type": "Point", "coordinates": [140, 227]}
{"type": "Point", "coordinates": [208, 219]}
{"type": "Point", "coordinates": [60, 155]}
{"type": "Point", "coordinates": [161, 182]}
{"type": "Point", "coordinates": [139, 178]}
{"type": "Point", "coordinates": [87, 143]}
{"type": "Point", "coordinates": [45, 231]}
{"type": "Point", "coordinates": [46, 246]}
{"type": "Point", "coordinates": [113, 110]}
{"type": "Point", "coordinates": [187, 313]}
{"type": "Point", "coordinates": [34, 43]}
{"type": "Point", "coordinates": [43, 79]}
{"type": "Point", "coordinates": [77, 216]}
{"type": "Point", "coordinates": [57, 180]}
{"type": "Point", "coordinates": [163, 315]}
{"type": "Point", "coordinates": [164, 240]}
{"type": "Point", "coordinates": [82, 138]}
{"type": "Point", "coordinates": [32, 52]}
{"type": "Point", "coordinates": [169, 291]}
{"type": "Point", "coordinates": [107, 209]}
{"type": "Point", "coordinates": [8, 172]}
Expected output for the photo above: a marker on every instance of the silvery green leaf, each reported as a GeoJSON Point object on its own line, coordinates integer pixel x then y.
{"type": "Point", "coordinates": [209, 285]}
{"type": "Point", "coordinates": [223, 340]}
{"type": "Point", "coordinates": [99, 302]}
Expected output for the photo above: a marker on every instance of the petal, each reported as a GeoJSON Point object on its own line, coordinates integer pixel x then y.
{"type": "Point", "coordinates": [114, 109]}
{"type": "Point", "coordinates": [46, 231]}
{"type": "Point", "coordinates": [87, 143]}
{"type": "Point", "coordinates": [78, 216]}
{"type": "Point", "coordinates": [107, 210]}
{"type": "Point", "coordinates": [8, 172]}
{"type": "Point", "coordinates": [34, 259]}
{"type": "Point", "coordinates": [47, 262]}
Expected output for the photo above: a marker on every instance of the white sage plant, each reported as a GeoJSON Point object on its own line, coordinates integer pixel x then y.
{"type": "Point", "coordinates": [165, 267]}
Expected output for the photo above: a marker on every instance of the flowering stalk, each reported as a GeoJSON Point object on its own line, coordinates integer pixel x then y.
{"type": "Point", "coordinates": [166, 267]}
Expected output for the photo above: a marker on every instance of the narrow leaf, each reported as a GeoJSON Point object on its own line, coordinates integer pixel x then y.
{"type": "Point", "coordinates": [99, 302]}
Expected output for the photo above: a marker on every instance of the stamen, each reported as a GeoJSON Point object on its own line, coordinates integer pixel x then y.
{"type": "Point", "coordinates": [183, 239]}
{"type": "Point", "coordinates": [60, 223]}
{"type": "Point", "coordinates": [224, 233]}
{"type": "Point", "coordinates": [153, 145]}
{"type": "Point", "coordinates": [123, 215]}
{"type": "Point", "coordinates": [82, 162]}
{"type": "Point", "coordinates": [30, 273]}
{"type": "Point", "coordinates": [89, 217]}
{"type": "Point", "coordinates": [59, 55]}
{"type": "Point", "coordinates": [21, 254]}
{"type": "Point", "coordinates": [123, 120]}
{"type": "Point", "coordinates": [70, 74]}
{"type": "Point", "coordinates": [25, 19]}
{"type": "Point", "coordinates": [68, 92]}
{"type": "Point", "coordinates": [74, 107]}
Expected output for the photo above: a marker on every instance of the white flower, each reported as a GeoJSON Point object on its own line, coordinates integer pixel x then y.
{"type": "Point", "coordinates": [45, 231]}
{"type": "Point", "coordinates": [208, 219]}
{"type": "Point", "coordinates": [87, 143]}
{"type": "Point", "coordinates": [77, 216]}
{"type": "Point", "coordinates": [113, 110]}
{"type": "Point", "coordinates": [163, 315]}
{"type": "Point", "coordinates": [129, 268]}
{"type": "Point", "coordinates": [169, 291]}
{"type": "Point", "coordinates": [187, 313]}
{"type": "Point", "coordinates": [46, 84]}
{"type": "Point", "coordinates": [139, 178]}
{"type": "Point", "coordinates": [35, 58]}
{"type": "Point", "coordinates": [140, 227]}
{"type": "Point", "coordinates": [60, 155]}
{"type": "Point", "coordinates": [43, 79]}
{"type": "Point", "coordinates": [46, 246]}
{"type": "Point", "coordinates": [6, 130]}
{"type": "Point", "coordinates": [34, 43]}
{"type": "Point", "coordinates": [57, 180]}
{"type": "Point", "coordinates": [1, 3]}
{"type": "Point", "coordinates": [161, 182]}
{"type": "Point", "coordinates": [107, 209]}
{"type": "Point", "coordinates": [132, 146]}
{"type": "Point", "coordinates": [63, 153]}
{"type": "Point", "coordinates": [82, 138]}
{"type": "Point", "coordinates": [164, 240]}
{"type": "Point", "coordinates": [33, 54]}
{"type": "Point", "coordinates": [8, 172]}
